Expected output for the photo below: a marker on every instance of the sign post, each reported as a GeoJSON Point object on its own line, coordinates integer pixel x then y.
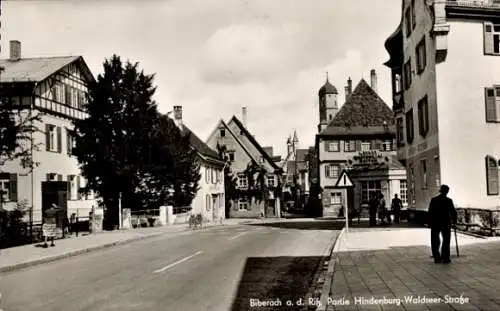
{"type": "Point", "coordinates": [345, 182]}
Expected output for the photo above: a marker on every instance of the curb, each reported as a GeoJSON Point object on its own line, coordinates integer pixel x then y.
{"type": "Point", "coordinates": [49, 259]}
{"type": "Point", "coordinates": [325, 292]}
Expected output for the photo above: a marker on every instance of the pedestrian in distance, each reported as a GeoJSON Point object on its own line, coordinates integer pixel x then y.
{"type": "Point", "coordinates": [383, 214]}
{"type": "Point", "coordinates": [50, 225]}
{"type": "Point", "coordinates": [442, 218]}
{"type": "Point", "coordinates": [372, 210]}
{"type": "Point", "coordinates": [396, 206]}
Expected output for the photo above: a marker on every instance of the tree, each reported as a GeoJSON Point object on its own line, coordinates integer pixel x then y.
{"type": "Point", "coordinates": [113, 144]}
{"type": "Point", "coordinates": [16, 129]}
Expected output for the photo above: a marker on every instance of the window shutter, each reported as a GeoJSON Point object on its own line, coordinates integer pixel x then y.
{"type": "Point", "coordinates": [327, 144]}
{"type": "Point", "coordinates": [491, 175]}
{"type": "Point", "coordinates": [59, 177]}
{"type": "Point", "coordinates": [326, 171]}
{"type": "Point", "coordinates": [78, 193]}
{"type": "Point", "coordinates": [358, 145]}
{"type": "Point", "coordinates": [13, 187]}
{"type": "Point", "coordinates": [68, 141]}
{"type": "Point", "coordinates": [59, 140]}
{"type": "Point", "coordinates": [488, 37]}
{"type": "Point", "coordinates": [47, 137]}
{"type": "Point", "coordinates": [490, 105]}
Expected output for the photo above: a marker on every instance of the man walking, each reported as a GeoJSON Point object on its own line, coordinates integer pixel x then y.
{"type": "Point", "coordinates": [396, 206]}
{"type": "Point", "coordinates": [442, 217]}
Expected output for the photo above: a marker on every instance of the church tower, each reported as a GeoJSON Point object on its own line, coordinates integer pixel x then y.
{"type": "Point", "coordinates": [328, 105]}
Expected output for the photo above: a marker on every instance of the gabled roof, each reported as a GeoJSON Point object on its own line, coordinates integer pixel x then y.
{"type": "Point", "coordinates": [254, 142]}
{"type": "Point", "coordinates": [363, 108]}
{"type": "Point", "coordinates": [38, 69]}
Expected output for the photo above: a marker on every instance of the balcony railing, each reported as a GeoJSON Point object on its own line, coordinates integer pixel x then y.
{"type": "Point", "coordinates": [475, 4]}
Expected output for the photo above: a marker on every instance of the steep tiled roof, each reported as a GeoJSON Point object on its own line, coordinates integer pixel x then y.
{"type": "Point", "coordinates": [363, 108]}
{"type": "Point", "coordinates": [358, 130]}
{"type": "Point", "coordinates": [35, 69]}
{"type": "Point", "coordinates": [199, 145]}
{"type": "Point", "coordinates": [255, 143]}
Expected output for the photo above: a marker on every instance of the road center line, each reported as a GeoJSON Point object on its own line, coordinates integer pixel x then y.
{"type": "Point", "coordinates": [178, 262]}
{"type": "Point", "coordinates": [238, 235]}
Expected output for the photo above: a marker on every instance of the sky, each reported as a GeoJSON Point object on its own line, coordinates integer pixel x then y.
{"type": "Point", "coordinates": [212, 57]}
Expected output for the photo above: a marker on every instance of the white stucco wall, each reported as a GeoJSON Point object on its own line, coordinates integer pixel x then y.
{"type": "Point", "coordinates": [464, 136]}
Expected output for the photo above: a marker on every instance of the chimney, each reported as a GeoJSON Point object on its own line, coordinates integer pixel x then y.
{"type": "Point", "coordinates": [15, 50]}
{"type": "Point", "coordinates": [244, 116]}
{"type": "Point", "coordinates": [373, 76]}
{"type": "Point", "coordinates": [178, 116]}
{"type": "Point", "coordinates": [346, 90]}
{"type": "Point", "coordinates": [349, 86]}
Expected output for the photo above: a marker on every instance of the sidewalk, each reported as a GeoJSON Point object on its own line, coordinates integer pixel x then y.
{"type": "Point", "coordinates": [391, 269]}
{"type": "Point", "coordinates": [28, 255]}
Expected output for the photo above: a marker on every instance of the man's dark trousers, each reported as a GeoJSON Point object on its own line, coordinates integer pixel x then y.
{"type": "Point", "coordinates": [436, 243]}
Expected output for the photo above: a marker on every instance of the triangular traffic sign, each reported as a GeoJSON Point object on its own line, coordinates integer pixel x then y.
{"type": "Point", "coordinates": [344, 180]}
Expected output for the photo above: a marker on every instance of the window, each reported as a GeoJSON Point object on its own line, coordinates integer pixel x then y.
{"type": "Point", "coordinates": [243, 204]}
{"type": "Point", "coordinates": [53, 138]}
{"type": "Point", "coordinates": [68, 95]}
{"type": "Point", "coordinates": [387, 145]}
{"type": "Point", "coordinates": [332, 171]}
{"type": "Point", "coordinates": [4, 190]}
{"type": "Point", "coordinates": [365, 146]}
{"type": "Point", "coordinates": [421, 56]}
{"type": "Point", "coordinates": [408, 22]}
{"type": "Point", "coordinates": [336, 198]}
{"type": "Point", "coordinates": [207, 202]}
{"type": "Point", "coordinates": [70, 142]}
{"type": "Point", "coordinates": [423, 167]}
{"type": "Point", "coordinates": [207, 175]}
{"type": "Point", "coordinates": [369, 188]}
{"type": "Point", "coordinates": [408, 74]}
{"type": "Point", "coordinates": [409, 126]}
{"type": "Point", "coordinates": [403, 191]}
{"type": "Point", "coordinates": [412, 185]}
{"type": "Point", "coordinates": [423, 116]}
{"type": "Point", "coordinates": [400, 131]}
{"type": "Point", "coordinates": [242, 180]}
{"type": "Point", "coordinates": [271, 180]}
{"type": "Point", "coordinates": [491, 175]}
{"type": "Point", "coordinates": [350, 146]}
{"type": "Point", "coordinates": [332, 146]}
{"type": "Point", "coordinates": [397, 83]}
{"type": "Point", "coordinates": [491, 36]}
{"type": "Point", "coordinates": [213, 174]}
{"type": "Point", "coordinates": [222, 132]}
{"type": "Point", "coordinates": [73, 187]}
{"type": "Point", "coordinates": [81, 100]}
{"type": "Point", "coordinates": [231, 156]}
{"type": "Point", "coordinates": [492, 103]}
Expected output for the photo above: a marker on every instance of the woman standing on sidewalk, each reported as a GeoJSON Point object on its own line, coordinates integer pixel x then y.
{"type": "Point", "coordinates": [49, 225]}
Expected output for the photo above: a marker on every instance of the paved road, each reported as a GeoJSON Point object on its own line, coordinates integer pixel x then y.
{"type": "Point", "coordinates": [218, 269]}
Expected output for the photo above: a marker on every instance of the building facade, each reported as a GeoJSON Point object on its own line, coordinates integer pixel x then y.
{"type": "Point", "coordinates": [243, 150]}
{"type": "Point", "coordinates": [209, 200]}
{"type": "Point", "coordinates": [54, 88]}
{"type": "Point", "coordinates": [360, 140]}
{"type": "Point", "coordinates": [445, 61]}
